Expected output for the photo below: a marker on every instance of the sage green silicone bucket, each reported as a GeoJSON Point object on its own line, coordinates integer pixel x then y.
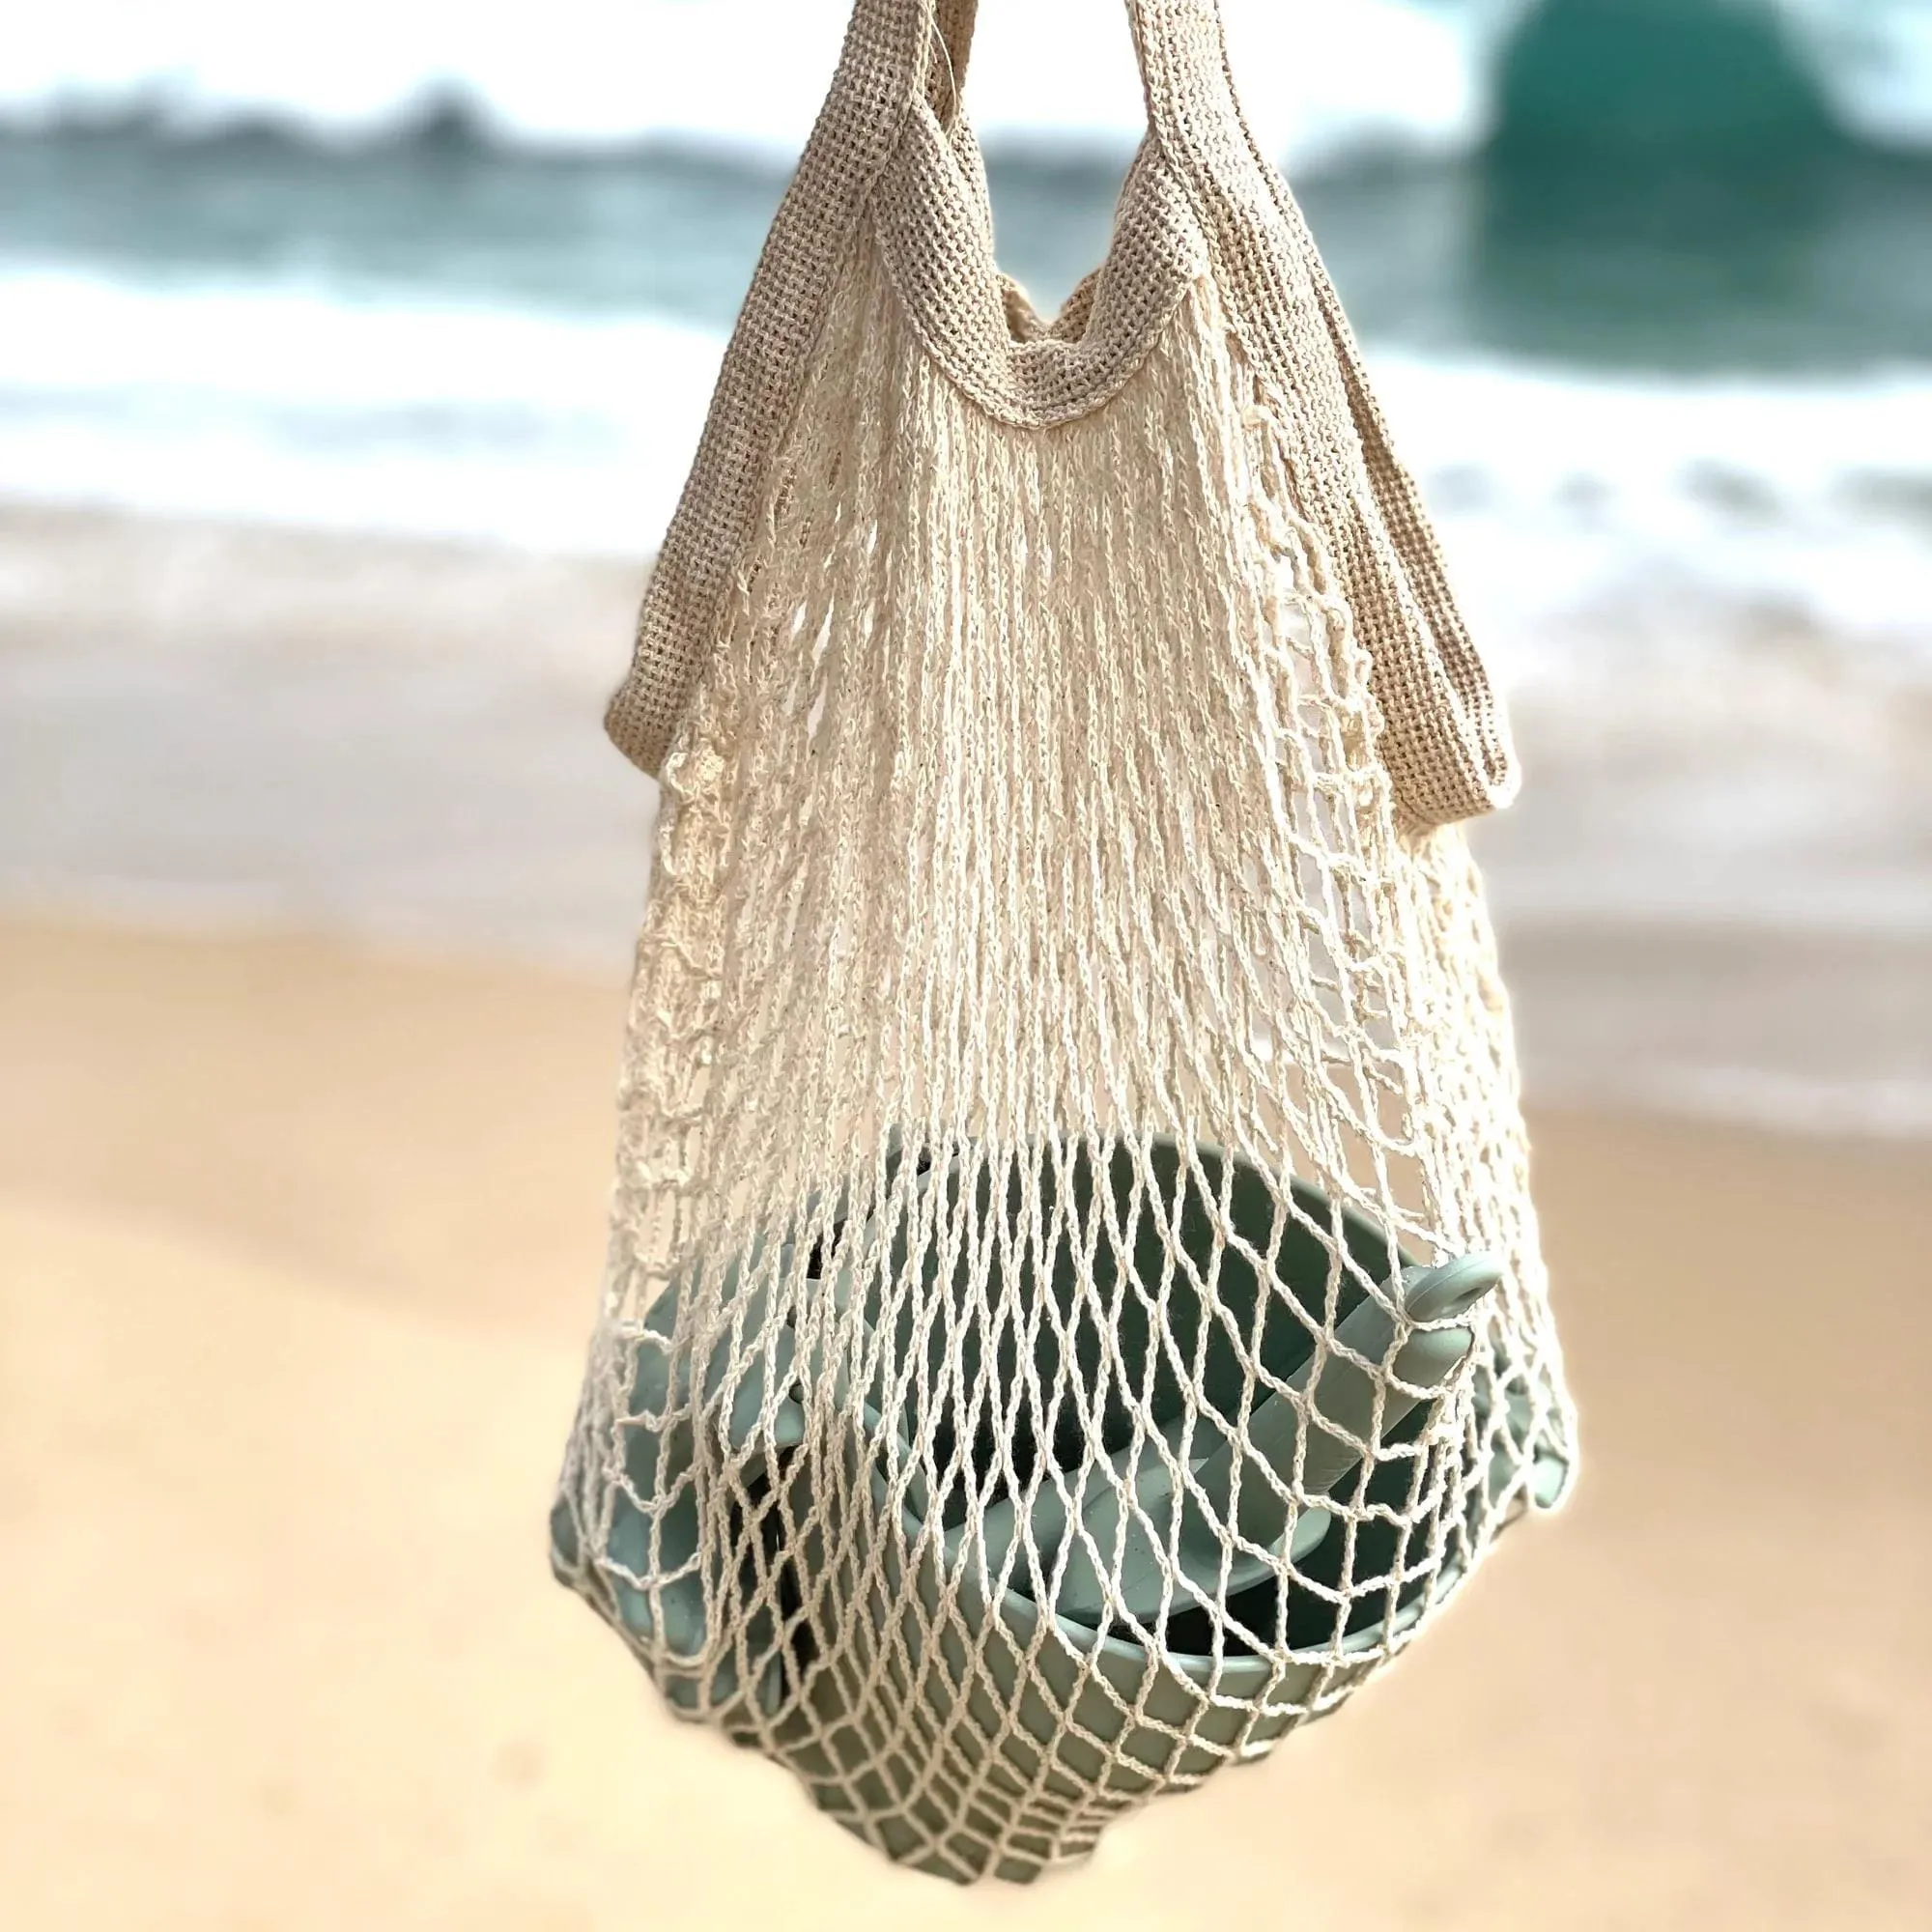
{"type": "Point", "coordinates": [1033, 1714]}
{"type": "Point", "coordinates": [1000, 1719]}
{"type": "Point", "coordinates": [1027, 1766]}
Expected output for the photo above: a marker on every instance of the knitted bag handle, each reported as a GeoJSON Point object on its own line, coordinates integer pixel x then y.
{"type": "Point", "coordinates": [1444, 741]}
{"type": "Point", "coordinates": [890, 139]}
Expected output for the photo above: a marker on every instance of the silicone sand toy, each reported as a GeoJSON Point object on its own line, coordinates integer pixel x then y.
{"type": "Point", "coordinates": [1113, 1588]}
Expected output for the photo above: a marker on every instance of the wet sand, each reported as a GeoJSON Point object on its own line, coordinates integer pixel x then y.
{"type": "Point", "coordinates": [299, 1247]}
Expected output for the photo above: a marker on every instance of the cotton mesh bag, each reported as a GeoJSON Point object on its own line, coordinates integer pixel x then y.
{"type": "Point", "coordinates": [1073, 1308]}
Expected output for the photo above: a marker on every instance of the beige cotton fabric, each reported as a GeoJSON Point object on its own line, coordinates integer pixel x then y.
{"type": "Point", "coordinates": [1059, 916]}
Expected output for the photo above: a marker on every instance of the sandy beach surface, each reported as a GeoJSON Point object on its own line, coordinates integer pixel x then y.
{"type": "Point", "coordinates": [298, 1252]}
{"type": "Point", "coordinates": [299, 1239]}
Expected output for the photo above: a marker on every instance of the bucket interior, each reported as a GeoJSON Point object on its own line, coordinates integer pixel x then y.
{"type": "Point", "coordinates": [1189, 1262]}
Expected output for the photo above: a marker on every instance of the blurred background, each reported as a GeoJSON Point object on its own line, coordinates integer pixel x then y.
{"type": "Point", "coordinates": [350, 365]}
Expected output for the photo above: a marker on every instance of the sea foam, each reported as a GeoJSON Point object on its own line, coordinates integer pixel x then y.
{"type": "Point", "coordinates": [1799, 503]}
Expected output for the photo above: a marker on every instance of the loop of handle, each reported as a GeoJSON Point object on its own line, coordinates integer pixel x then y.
{"type": "Point", "coordinates": [1445, 744]}
{"type": "Point", "coordinates": [1445, 741]}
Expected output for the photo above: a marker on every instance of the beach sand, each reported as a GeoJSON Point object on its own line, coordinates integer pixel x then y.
{"type": "Point", "coordinates": [299, 1247]}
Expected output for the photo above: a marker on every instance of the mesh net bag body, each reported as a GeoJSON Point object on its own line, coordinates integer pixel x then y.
{"type": "Point", "coordinates": [1074, 1309]}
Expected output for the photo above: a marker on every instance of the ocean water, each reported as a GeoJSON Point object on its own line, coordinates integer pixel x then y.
{"type": "Point", "coordinates": [1646, 286]}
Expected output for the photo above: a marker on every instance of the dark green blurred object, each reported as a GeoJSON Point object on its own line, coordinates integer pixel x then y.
{"type": "Point", "coordinates": [1645, 76]}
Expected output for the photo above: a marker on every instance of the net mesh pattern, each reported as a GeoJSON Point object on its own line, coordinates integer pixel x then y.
{"type": "Point", "coordinates": [1058, 1078]}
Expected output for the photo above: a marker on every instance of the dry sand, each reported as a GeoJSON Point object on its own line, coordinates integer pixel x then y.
{"type": "Point", "coordinates": [298, 1252]}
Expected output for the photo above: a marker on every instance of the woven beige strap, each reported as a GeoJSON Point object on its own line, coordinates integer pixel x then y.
{"type": "Point", "coordinates": [891, 147]}
{"type": "Point", "coordinates": [885, 62]}
{"type": "Point", "coordinates": [1445, 742]}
